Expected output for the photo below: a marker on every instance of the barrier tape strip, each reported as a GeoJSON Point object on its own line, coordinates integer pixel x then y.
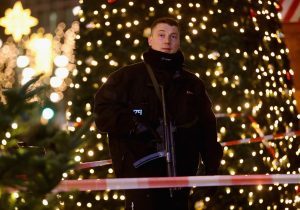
{"type": "Point", "coordinates": [94, 164]}
{"type": "Point", "coordinates": [270, 148]}
{"type": "Point", "coordinates": [260, 139]}
{"type": "Point", "coordinates": [174, 182]}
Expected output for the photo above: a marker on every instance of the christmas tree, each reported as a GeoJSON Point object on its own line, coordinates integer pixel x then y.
{"type": "Point", "coordinates": [237, 49]}
{"type": "Point", "coordinates": [34, 150]}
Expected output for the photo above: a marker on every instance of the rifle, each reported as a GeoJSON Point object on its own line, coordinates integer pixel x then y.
{"type": "Point", "coordinates": [168, 128]}
{"type": "Point", "coordinates": [169, 141]}
{"type": "Point", "coordinates": [169, 145]}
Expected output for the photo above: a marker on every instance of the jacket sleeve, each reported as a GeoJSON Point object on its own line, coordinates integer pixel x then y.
{"type": "Point", "coordinates": [112, 114]}
{"type": "Point", "coordinates": [211, 150]}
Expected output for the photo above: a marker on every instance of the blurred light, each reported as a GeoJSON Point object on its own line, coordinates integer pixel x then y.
{"type": "Point", "coordinates": [55, 82]}
{"type": "Point", "coordinates": [28, 72]}
{"type": "Point", "coordinates": [41, 46]}
{"type": "Point", "coordinates": [76, 10]}
{"type": "Point", "coordinates": [1, 42]}
{"type": "Point", "coordinates": [7, 135]}
{"type": "Point", "coordinates": [25, 80]}
{"type": "Point", "coordinates": [22, 61]}
{"type": "Point", "coordinates": [103, 79]}
{"type": "Point", "coordinates": [61, 61]}
{"type": "Point", "coordinates": [217, 107]}
{"type": "Point", "coordinates": [97, 197]}
{"type": "Point", "coordinates": [14, 125]}
{"type": "Point", "coordinates": [4, 142]}
{"type": "Point", "coordinates": [16, 195]}
{"type": "Point", "coordinates": [55, 97]}
{"type": "Point", "coordinates": [77, 158]}
{"type": "Point", "coordinates": [100, 146]}
{"type": "Point", "coordinates": [62, 72]}
{"type": "Point", "coordinates": [90, 153]}
{"type": "Point", "coordinates": [47, 113]}
{"type": "Point", "coordinates": [105, 197]}
{"type": "Point", "coordinates": [45, 202]}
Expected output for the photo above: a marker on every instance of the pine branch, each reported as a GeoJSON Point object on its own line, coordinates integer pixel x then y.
{"type": "Point", "coordinates": [34, 168]}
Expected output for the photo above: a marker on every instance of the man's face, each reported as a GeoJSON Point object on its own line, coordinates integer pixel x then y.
{"type": "Point", "coordinates": [164, 38]}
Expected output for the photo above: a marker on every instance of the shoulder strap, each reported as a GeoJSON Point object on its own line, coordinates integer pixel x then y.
{"type": "Point", "coordinates": [154, 80]}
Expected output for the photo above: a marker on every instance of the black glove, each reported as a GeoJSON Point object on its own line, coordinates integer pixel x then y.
{"type": "Point", "coordinates": [145, 131]}
{"type": "Point", "coordinates": [140, 128]}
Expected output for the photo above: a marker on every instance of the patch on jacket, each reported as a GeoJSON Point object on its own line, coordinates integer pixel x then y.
{"type": "Point", "coordinates": [138, 112]}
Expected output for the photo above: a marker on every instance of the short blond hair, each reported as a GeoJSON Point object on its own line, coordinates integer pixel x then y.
{"type": "Point", "coordinates": [168, 20]}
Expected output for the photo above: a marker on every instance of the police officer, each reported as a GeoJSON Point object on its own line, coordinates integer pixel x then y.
{"type": "Point", "coordinates": [129, 109]}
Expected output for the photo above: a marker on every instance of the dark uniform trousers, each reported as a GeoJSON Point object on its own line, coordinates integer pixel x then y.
{"type": "Point", "coordinates": [157, 199]}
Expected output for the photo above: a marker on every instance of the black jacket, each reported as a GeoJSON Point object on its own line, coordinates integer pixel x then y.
{"type": "Point", "coordinates": [130, 89]}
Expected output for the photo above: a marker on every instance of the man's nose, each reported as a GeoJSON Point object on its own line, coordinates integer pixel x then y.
{"type": "Point", "coordinates": [167, 39]}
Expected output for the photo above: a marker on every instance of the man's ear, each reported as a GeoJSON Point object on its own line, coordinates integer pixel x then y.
{"type": "Point", "coordinates": [150, 40]}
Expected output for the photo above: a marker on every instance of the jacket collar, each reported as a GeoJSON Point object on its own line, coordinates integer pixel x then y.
{"type": "Point", "coordinates": [161, 61]}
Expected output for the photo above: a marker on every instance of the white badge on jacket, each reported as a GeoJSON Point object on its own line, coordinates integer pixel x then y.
{"type": "Point", "coordinates": [138, 112]}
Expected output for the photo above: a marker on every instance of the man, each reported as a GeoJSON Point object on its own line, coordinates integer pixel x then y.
{"type": "Point", "coordinates": [129, 109]}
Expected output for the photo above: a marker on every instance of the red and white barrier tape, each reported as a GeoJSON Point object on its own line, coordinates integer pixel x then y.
{"type": "Point", "coordinates": [270, 148]}
{"type": "Point", "coordinates": [260, 139]}
{"type": "Point", "coordinates": [94, 164]}
{"type": "Point", "coordinates": [170, 182]}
